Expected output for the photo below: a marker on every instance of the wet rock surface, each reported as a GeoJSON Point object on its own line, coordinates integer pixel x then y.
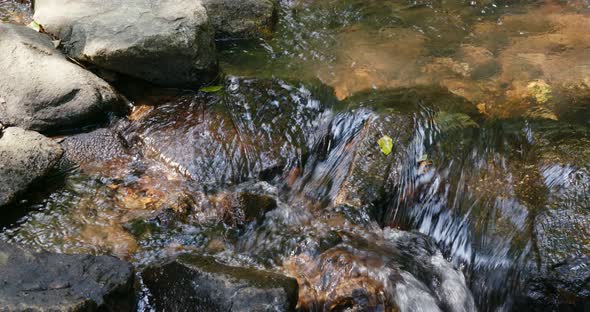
{"type": "Point", "coordinates": [253, 129]}
{"type": "Point", "coordinates": [25, 156]}
{"type": "Point", "coordinates": [200, 283]}
{"type": "Point", "coordinates": [392, 271]}
{"type": "Point", "coordinates": [346, 167]}
{"type": "Point", "coordinates": [166, 42]}
{"type": "Point", "coordinates": [241, 19]}
{"type": "Point", "coordinates": [245, 204]}
{"type": "Point", "coordinates": [31, 281]}
{"type": "Point", "coordinates": [481, 204]}
{"type": "Point", "coordinates": [41, 90]}
{"type": "Point", "coordinates": [524, 212]}
{"type": "Point", "coordinates": [561, 278]}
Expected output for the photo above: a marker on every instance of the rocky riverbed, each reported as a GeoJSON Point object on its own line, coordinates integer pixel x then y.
{"type": "Point", "coordinates": [274, 155]}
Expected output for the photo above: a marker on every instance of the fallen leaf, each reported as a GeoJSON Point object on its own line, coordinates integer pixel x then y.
{"type": "Point", "coordinates": [386, 144]}
{"type": "Point", "coordinates": [211, 89]}
{"type": "Point", "coordinates": [35, 26]}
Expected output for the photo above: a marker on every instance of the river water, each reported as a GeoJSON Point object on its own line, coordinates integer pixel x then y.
{"type": "Point", "coordinates": [484, 200]}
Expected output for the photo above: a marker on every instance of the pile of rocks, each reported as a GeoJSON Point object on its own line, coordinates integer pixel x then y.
{"type": "Point", "coordinates": [46, 87]}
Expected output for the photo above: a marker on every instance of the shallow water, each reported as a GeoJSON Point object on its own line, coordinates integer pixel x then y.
{"type": "Point", "coordinates": [487, 104]}
{"type": "Point", "coordinates": [17, 12]}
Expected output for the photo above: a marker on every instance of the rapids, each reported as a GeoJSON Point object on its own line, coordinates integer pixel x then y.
{"type": "Point", "coordinates": [483, 204]}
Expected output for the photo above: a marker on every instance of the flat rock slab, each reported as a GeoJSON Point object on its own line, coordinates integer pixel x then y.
{"type": "Point", "coordinates": [167, 42]}
{"type": "Point", "coordinates": [41, 90]}
{"type": "Point", "coordinates": [56, 282]}
{"type": "Point", "coordinates": [24, 157]}
{"type": "Point", "coordinates": [241, 19]}
{"type": "Point", "coordinates": [196, 283]}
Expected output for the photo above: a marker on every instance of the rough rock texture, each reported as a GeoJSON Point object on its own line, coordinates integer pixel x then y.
{"type": "Point", "coordinates": [195, 283]}
{"type": "Point", "coordinates": [167, 42]}
{"type": "Point", "coordinates": [241, 19]}
{"type": "Point", "coordinates": [40, 89]}
{"type": "Point", "coordinates": [44, 281]}
{"type": "Point", "coordinates": [24, 157]}
{"type": "Point", "coordinates": [93, 149]}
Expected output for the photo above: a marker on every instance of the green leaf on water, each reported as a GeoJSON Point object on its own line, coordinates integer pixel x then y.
{"type": "Point", "coordinates": [35, 26]}
{"type": "Point", "coordinates": [386, 144]}
{"type": "Point", "coordinates": [211, 89]}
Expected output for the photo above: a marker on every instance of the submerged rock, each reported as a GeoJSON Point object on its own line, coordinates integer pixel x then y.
{"type": "Point", "coordinates": [342, 259]}
{"type": "Point", "coordinates": [561, 278]}
{"type": "Point", "coordinates": [391, 271]}
{"type": "Point", "coordinates": [507, 199]}
{"type": "Point", "coordinates": [25, 156]}
{"type": "Point", "coordinates": [375, 60]}
{"type": "Point", "coordinates": [31, 281]}
{"type": "Point", "coordinates": [241, 19]}
{"type": "Point", "coordinates": [200, 283]}
{"type": "Point", "coordinates": [167, 42]}
{"type": "Point", "coordinates": [247, 203]}
{"type": "Point", "coordinates": [253, 129]}
{"type": "Point", "coordinates": [41, 90]}
{"type": "Point", "coordinates": [347, 167]}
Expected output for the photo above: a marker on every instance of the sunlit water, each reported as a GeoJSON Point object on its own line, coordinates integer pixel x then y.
{"type": "Point", "coordinates": [17, 12]}
{"type": "Point", "coordinates": [487, 105]}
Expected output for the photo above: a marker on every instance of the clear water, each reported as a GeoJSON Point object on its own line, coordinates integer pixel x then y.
{"type": "Point", "coordinates": [487, 103]}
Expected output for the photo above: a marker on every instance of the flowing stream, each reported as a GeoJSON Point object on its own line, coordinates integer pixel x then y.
{"type": "Point", "coordinates": [486, 191]}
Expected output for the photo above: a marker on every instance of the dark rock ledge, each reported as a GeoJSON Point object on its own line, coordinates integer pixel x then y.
{"type": "Point", "coordinates": [31, 281]}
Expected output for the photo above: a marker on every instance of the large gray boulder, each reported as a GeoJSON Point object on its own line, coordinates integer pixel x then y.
{"type": "Point", "coordinates": [40, 89]}
{"type": "Point", "coordinates": [241, 19]}
{"type": "Point", "coordinates": [24, 157]}
{"type": "Point", "coordinates": [196, 283]}
{"type": "Point", "coordinates": [45, 281]}
{"type": "Point", "coordinates": [167, 42]}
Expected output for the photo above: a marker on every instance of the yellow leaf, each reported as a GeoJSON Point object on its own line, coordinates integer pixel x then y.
{"type": "Point", "coordinates": [35, 26]}
{"type": "Point", "coordinates": [386, 144]}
